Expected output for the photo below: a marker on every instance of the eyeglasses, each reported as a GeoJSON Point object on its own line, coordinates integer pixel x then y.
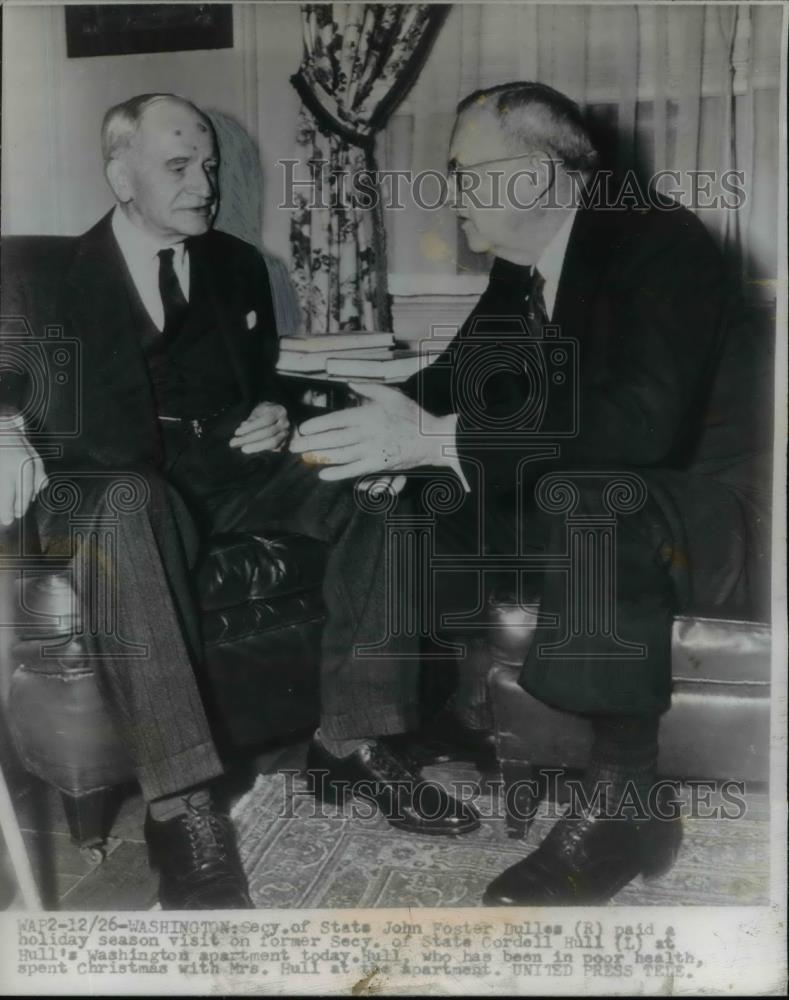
{"type": "Point", "coordinates": [454, 168]}
{"type": "Point", "coordinates": [455, 171]}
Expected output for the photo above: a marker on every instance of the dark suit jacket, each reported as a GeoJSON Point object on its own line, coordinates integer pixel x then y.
{"type": "Point", "coordinates": [82, 286]}
{"type": "Point", "coordinates": [646, 297]}
{"type": "Point", "coordinates": [673, 382]}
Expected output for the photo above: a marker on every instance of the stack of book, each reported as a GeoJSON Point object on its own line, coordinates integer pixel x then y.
{"type": "Point", "coordinates": [347, 356]}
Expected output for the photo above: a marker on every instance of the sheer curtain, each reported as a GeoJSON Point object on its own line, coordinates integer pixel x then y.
{"type": "Point", "coordinates": [689, 87]}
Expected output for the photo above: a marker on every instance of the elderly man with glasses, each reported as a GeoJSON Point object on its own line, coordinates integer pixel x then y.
{"type": "Point", "coordinates": [590, 356]}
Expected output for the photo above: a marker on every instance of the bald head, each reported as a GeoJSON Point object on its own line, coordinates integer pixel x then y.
{"type": "Point", "coordinates": [122, 122]}
{"type": "Point", "coordinates": [533, 116]}
{"type": "Point", "coordinates": [161, 162]}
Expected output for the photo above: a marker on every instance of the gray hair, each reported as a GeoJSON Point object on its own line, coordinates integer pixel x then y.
{"type": "Point", "coordinates": [535, 116]}
{"type": "Point", "coordinates": [122, 121]}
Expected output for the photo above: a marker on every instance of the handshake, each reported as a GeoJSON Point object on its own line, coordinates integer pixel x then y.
{"type": "Point", "coordinates": [374, 443]}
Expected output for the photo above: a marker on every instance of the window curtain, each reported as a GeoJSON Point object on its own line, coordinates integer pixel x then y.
{"type": "Point", "coordinates": [687, 87]}
{"type": "Point", "coordinates": [359, 61]}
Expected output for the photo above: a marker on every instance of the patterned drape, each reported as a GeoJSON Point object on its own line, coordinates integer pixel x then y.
{"type": "Point", "coordinates": [359, 61]}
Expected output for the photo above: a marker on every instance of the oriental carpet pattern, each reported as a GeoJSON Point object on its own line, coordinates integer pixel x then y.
{"type": "Point", "coordinates": [298, 853]}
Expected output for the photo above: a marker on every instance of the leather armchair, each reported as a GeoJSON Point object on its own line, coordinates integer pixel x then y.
{"type": "Point", "coordinates": [262, 621]}
{"type": "Point", "coordinates": [718, 726]}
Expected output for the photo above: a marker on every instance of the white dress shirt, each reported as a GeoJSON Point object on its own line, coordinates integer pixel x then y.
{"type": "Point", "coordinates": [140, 251]}
{"type": "Point", "coordinates": [550, 267]}
{"type": "Point", "coordinates": [551, 262]}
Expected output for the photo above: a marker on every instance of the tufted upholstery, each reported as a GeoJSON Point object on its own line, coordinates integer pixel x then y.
{"type": "Point", "coordinates": [261, 659]}
{"type": "Point", "coordinates": [262, 621]}
{"type": "Point", "coordinates": [240, 568]}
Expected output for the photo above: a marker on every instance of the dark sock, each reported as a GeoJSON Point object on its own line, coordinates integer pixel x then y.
{"type": "Point", "coordinates": [171, 806]}
{"type": "Point", "coordinates": [470, 703]}
{"type": "Point", "coordinates": [624, 756]}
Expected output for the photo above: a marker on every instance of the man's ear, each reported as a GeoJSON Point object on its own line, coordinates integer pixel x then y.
{"type": "Point", "coordinates": [543, 165]}
{"type": "Point", "coordinates": [118, 179]}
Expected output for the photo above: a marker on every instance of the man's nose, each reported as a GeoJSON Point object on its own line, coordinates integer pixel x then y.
{"type": "Point", "coordinates": [452, 190]}
{"type": "Point", "coordinates": [200, 183]}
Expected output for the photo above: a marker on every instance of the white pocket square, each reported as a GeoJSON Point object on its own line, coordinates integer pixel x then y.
{"type": "Point", "coordinates": [252, 318]}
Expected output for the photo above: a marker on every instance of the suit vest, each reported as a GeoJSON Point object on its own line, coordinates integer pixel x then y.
{"type": "Point", "coordinates": [191, 375]}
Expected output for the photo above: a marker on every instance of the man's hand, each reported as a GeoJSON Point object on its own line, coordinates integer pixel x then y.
{"type": "Point", "coordinates": [265, 429]}
{"type": "Point", "coordinates": [387, 434]}
{"type": "Point", "coordinates": [22, 475]}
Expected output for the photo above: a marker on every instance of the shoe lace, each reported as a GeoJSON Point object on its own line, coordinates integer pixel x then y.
{"type": "Point", "coordinates": [207, 835]}
{"type": "Point", "coordinates": [569, 832]}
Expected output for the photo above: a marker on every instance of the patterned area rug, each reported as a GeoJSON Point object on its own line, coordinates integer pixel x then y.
{"type": "Point", "coordinates": [299, 853]}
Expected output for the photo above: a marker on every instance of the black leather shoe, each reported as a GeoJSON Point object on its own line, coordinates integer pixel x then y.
{"type": "Point", "coordinates": [196, 856]}
{"type": "Point", "coordinates": [376, 772]}
{"type": "Point", "coordinates": [446, 739]}
{"type": "Point", "coordinates": [585, 861]}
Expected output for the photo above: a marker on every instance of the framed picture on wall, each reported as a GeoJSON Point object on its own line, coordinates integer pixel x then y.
{"type": "Point", "coordinates": [125, 29]}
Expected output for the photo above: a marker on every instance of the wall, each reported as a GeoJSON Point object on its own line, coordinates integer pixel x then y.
{"type": "Point", "coordinates": [52, 172]}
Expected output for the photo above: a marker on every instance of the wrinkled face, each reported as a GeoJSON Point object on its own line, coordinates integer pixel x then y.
{"type": "Point", "coordinates": [167, 179]}
{"type": "Point", "coordinates": [509, 181]}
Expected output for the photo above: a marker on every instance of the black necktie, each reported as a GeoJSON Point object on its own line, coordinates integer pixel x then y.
{"type": "Point", "coordinates": [536, 312]}
{"type": "Point", "coordinates": [518, 289]}
{"type": "Point", "coordinates": [173, 299]}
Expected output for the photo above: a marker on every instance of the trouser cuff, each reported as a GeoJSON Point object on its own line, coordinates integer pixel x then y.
{"type": "Point", "coordinates": [176, 773]}
{"type": "Point", "coordinates": [371, 724]}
